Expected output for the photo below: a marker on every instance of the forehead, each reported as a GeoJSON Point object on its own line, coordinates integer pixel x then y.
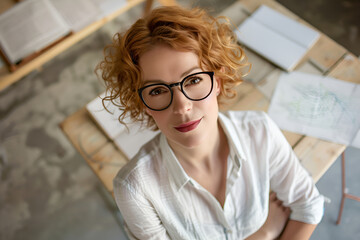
{"type": "Point", "coordinates": [166, 64]}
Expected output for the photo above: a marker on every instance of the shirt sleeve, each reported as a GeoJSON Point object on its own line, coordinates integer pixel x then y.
{"type": "Point", "coordinates": [141, 219]}
{"type": "Point", "coordinates": [291, 182]}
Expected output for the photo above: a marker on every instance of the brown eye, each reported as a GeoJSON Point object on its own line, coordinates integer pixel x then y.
{"type": "Point", "coordinates": [192, 81]}
{"type": "Point", "coordinates": [158, 91]}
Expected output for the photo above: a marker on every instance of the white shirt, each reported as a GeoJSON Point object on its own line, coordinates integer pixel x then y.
{"type": "Point", "coordinates": [158, 200]}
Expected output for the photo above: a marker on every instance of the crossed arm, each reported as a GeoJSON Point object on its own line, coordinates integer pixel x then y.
{"type": "Point", "coordinates": [294, 230]}
{"type": "Point", "coordinates": [277, 225]}
{"type": "Point", "coordinates": [297, 230]}
{"type": "Point", "coordinates": [289, 178]}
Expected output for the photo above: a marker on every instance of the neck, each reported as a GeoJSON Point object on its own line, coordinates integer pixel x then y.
{"type": "Point", "coordinates": [204, 156]}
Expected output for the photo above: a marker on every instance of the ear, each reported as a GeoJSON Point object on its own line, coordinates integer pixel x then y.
{"type": "Point", "coordinates": [218, 82]}
{"type": "Point", "coordinates": [148, 111]}
{"type": "Point", "coordinates": [218, 86]}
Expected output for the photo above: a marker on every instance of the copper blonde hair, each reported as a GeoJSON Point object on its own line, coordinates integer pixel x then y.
{"type": "Point", "coordinates": [211, 39]}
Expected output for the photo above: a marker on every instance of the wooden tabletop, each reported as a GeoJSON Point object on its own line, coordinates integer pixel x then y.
{"type": "Point", "coordinates": [325, 58]}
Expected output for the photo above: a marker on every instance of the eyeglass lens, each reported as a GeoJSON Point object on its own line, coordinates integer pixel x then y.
{"type": "Point", "coordinates": [195, 87]}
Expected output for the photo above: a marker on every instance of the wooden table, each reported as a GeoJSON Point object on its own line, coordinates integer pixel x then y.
{"type": "Point", "coordinates": [325, 58]}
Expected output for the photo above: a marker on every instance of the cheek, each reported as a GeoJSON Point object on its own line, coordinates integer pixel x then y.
{"type": "Point", "coordinates": [159, 117]}
{"type": "Point", "coordinates": [208, 106]}
{"type": "Point", "coordinates": [211, 101]}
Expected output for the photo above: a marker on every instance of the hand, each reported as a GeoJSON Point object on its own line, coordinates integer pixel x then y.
{"type": "Point", "coordinates": [276, 221]}
{"type": "Point", "coordinates": [277, 218]}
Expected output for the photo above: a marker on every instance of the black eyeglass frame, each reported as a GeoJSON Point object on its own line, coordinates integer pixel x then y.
{"type": "Point", "coordinates": [169, 86]}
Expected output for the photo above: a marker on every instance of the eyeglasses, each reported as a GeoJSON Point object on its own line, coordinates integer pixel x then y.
{"type": "Point", "coordinates": [195, 87]}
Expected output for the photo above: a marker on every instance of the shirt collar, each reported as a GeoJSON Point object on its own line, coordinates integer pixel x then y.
{"type": "Point", "coordinates": [176, 171]}
{"type": "Point", "coordinates": [233, 140]}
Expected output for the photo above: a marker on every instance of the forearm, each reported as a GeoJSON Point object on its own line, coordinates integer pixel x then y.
{"type": "Point", "coordinates": [259, 235]}
{"type": "Point", "coordinates": [296, 230]}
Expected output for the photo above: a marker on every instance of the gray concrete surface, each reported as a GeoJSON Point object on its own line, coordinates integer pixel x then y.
{"type": "Point", "coordinates": [46, 189]}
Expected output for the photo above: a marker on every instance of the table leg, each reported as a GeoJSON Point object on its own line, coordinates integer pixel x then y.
{"type": "Point", "coordinates": [343, 188]}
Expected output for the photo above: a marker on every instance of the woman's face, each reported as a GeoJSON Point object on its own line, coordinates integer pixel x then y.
{"type": "Point", "coordinates": [185, 122]}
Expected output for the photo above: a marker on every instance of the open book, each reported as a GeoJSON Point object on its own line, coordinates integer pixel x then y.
{"type": "Point", "coordinates": [276, 37]}
{"type": "Point", "coordinates": [33, 25]}
{"type": "Point", "coordinates": [128, 140]}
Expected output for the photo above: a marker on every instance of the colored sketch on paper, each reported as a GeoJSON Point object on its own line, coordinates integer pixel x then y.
{"type": "Point", "coordinates": [317, 106]}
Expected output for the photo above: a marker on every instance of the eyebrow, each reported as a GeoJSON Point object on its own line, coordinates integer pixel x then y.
{"type": "Point", "coordinates": [187, 72]}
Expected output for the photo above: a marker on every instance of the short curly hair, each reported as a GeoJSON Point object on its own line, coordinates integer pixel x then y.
{"type": "Point", "coordinates": [211, 39]}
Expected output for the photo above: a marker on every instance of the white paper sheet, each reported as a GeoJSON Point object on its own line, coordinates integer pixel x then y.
{"type": "Point", "coordinates": [276, 37]}
{"type": "Point", "coordinates": [128, 140]}
{"type": "Point", "coordinates": [286, 26]}
{"type": "Point", "coordinates": [108, 121]}
{"type": "Point", "coordinates": [317, 106]}
{"type": "Point", "coordinates": [281, 51]}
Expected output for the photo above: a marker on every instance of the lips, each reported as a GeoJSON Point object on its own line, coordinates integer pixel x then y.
{"type": "Point", "coordinates": [186, 127]}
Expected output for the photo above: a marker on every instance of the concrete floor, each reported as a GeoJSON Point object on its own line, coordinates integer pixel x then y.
{"type": "Point", "coordinates": [46, 189]}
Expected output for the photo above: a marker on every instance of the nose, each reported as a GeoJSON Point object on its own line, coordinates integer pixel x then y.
{"type": "Point", "coordinates": [181, 104]}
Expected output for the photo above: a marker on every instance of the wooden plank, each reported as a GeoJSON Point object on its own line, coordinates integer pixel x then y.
{"type": "Point", "coordinates": [268, 84]}
{"type": "Point", "coordinates": [253, 100]}
{"type": "Point", "coordinates": [83, 133]}
{"type": "Point", "coordinates": [322, 57]}
{"type": "Point", "coordinates": [106, 163]}
{"type": "Point", "coordinates": [241, 91]}
{"type": "Point", "coordinates": [252, 5]}
{"type": "Point", "coordinates": [260, 67]}
{"type": "Point", "coordinates": [104, 158]}
{"type": "Point", "coordinates": [236, 13]}
{"type": "Point", "coordinates": [292, 138]}
{"type": "Point", "coordinates": [168, 2]}
{"type": "Point", "coordinates": [348, 69]}
{"type": "Point", "coordinates": [317, 155]}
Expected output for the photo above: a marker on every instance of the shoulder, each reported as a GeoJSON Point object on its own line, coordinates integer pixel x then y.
{"type": "Point", "coordinates": [252, 128]}
{"type": "Point", "coordinates": [142, 166]}
{"type": "Point", "coordinates": [245, 119]}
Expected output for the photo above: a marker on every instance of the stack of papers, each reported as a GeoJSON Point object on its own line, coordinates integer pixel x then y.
{"type": "Point", "coordinates": [318, 106]}
{"type": "Point", "coordinates": [276, 37]}
{"type": "Point", "coordinates": [128, 140]}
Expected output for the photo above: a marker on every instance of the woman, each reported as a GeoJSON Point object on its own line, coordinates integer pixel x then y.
{"type": "Point", "coordinates": [207, 175]}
